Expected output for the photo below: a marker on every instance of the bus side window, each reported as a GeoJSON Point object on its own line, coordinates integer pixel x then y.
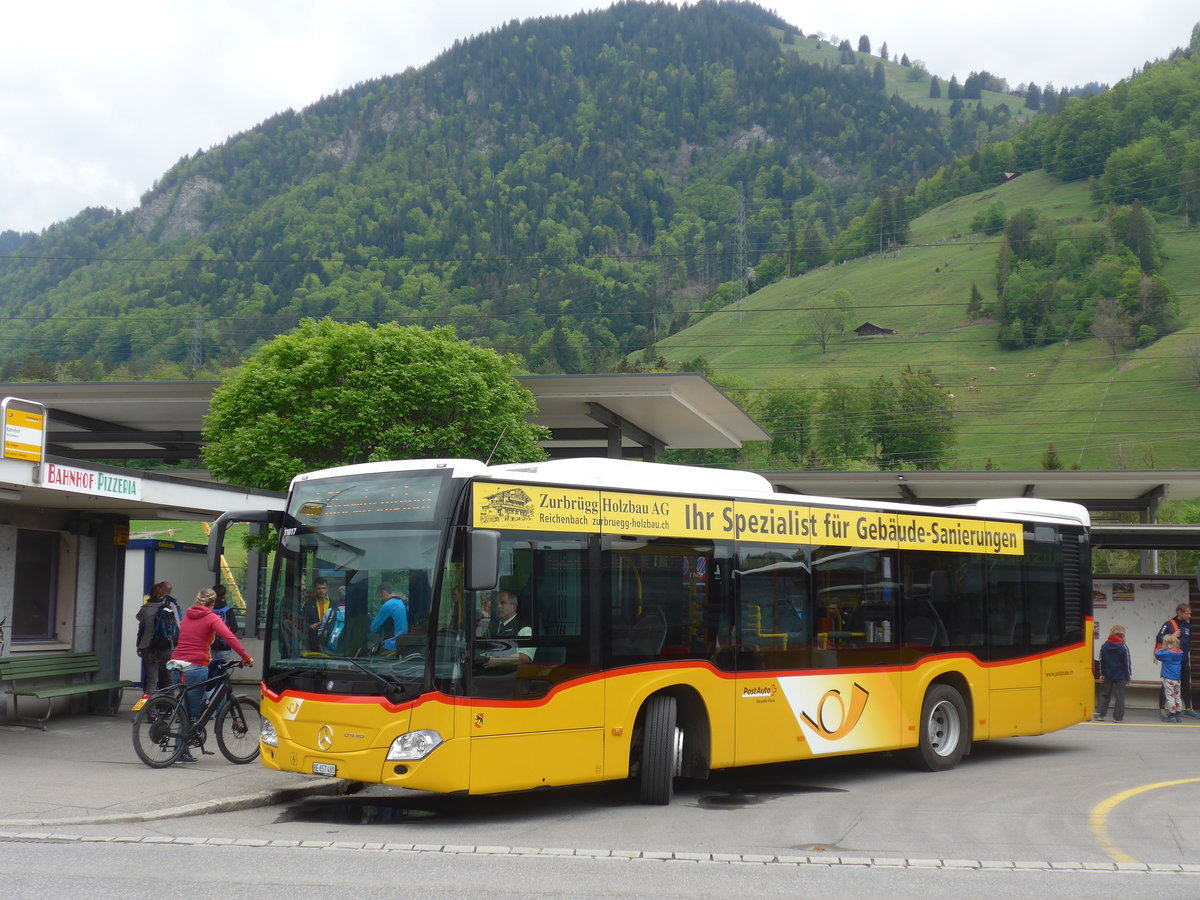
{"type": "Point", "coordinates": [660, 602]}
{"type": "Point", "coordinates": [1007, 625]}
{"type": "Point", "coordinates": [774, 608]}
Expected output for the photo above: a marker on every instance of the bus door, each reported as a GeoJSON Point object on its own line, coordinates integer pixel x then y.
{"type": "Point", "coordinates": [851, 700]}
{"type": "Point", "coordinates": [774, 652]}
{"type": "Point", "coordinates": [943, 619]}
{"type": "Point", "coordinates": [536, 706]}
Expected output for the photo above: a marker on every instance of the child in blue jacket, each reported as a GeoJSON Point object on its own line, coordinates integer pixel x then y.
{"type": "Point", "coordinates": [1171, 658]}
{"type": "Point", "coordinates": [1116, 671]}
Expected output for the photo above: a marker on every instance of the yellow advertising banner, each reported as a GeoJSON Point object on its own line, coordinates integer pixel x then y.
{"type": "Point", "coordinates": [529, 507]}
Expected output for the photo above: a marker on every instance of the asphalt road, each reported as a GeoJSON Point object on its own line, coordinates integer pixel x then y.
{"type": "Point", "coordinates": [1096, 810]}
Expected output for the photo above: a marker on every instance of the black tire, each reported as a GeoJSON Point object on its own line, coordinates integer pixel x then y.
{"type": "Point", "coordinates": [239, 727]}
{"type": "Point", "coordinates": [945, 730]}
{"type": "Point", "coordinates": [158, 732]}
{"type": "Point", "coordinates": [661, 747]}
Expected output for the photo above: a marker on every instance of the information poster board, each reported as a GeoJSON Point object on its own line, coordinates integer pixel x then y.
{"type": "Point", "coordinates": [1141, 603]}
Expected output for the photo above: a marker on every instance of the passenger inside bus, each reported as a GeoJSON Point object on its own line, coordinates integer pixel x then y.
{"type": "Point", "coordinates": [392, 619]}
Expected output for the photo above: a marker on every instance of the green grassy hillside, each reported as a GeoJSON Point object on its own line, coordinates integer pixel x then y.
{"type": "Point", "coordinates": [902, 80]}
{"type": "Point", "coordinates": [1009, 405]}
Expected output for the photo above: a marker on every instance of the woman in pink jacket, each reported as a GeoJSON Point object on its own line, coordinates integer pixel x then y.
{"type": "Point", "coordinates": [189, 663]}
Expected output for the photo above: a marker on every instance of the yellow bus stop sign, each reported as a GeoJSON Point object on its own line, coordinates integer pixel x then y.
{"type": "Point", "coordinates": [24, 429]}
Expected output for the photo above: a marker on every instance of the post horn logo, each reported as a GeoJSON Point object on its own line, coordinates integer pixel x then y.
{"type": "Point", "coordinates": [834, 724]}
{"type": "Point", "coordinates": [325, 737]}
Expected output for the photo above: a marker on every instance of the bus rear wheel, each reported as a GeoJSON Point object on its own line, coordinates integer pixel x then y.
{"type": "Point", "coordinates": [662, 750]}
{"type": "Point", "coordinates": [944, 730]}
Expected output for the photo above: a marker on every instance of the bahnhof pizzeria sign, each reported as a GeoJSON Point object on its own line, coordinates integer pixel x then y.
{"type": "Point", "coordinates": [88, 481]}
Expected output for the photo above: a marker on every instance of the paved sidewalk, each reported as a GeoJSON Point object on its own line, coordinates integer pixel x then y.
{"type": "Point", "coordinates": [83, 769]}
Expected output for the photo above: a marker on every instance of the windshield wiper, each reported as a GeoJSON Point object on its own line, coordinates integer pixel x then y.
{"type": "Point", "coordinates": [393, 689]}
{"type": "Point", "coordinates": [278, 678]}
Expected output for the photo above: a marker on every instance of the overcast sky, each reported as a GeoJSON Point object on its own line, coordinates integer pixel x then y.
{"type": "Point", "coordinates": [100, 99]}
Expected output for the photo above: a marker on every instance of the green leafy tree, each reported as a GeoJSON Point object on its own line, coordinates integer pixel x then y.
{"type": "Point", "coordinates": [990, 220]}
{"type": "Point", "coordinates": [842, 302]}
{"type": "Point", "coordinates": [919, 428]}
{"type": "Point", "coordinates": [840, 415]}
{"type": "Point", "coordinates": [330, 393]}
{"type": "Point", "coordinates": [1111, 326]}
{"type": "Point", "coordinates": [788, 415]}
{"type": "Point", "coordinates": [935, 88]}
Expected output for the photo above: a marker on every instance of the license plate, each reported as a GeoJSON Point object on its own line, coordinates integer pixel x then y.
{"type": "Point", "coordinates": [324, 769]}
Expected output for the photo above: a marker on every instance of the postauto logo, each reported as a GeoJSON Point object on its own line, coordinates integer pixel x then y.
{"type": "Point", "coordinates": [831, 718]}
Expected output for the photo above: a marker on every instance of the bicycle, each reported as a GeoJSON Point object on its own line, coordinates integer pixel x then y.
{"type": "Point", "coordinates": [163, 732]}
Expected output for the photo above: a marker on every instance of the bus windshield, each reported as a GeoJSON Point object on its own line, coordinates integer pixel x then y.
{"type": "Point", "coordinates": [353, 584]}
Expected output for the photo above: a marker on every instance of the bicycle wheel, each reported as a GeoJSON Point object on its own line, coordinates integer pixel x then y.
{"type": "Point", "coordinates": [159, 729]}
{"type": "Point", "coordinates": [238, 730]}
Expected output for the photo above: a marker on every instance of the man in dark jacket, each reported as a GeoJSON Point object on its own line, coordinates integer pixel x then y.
{"type": "Point", "coordinates": [157, 635]}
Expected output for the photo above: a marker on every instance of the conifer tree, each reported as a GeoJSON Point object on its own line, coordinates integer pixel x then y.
{"type": "Point", "coordinates": [1051, 460]}
{"type": "Point", "coordinates": [975, 304]}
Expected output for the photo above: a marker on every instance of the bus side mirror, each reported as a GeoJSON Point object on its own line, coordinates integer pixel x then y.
{"type": "Point", "coordinates": [483, 560]}
{"type": "Point", "coordinates": [216, 537]}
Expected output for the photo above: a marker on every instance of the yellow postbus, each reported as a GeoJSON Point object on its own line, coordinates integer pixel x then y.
{"type": "Point", "coordinates": [593, 620]}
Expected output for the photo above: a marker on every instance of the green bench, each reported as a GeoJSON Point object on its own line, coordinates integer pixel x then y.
{"type": "Point", "coordinates": [28, 672]}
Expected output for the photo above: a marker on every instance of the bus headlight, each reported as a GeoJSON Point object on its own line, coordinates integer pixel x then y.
{"type": "Point", "coordinates": [414, 745]}
{"type": "Point", "coordinates": [268, 736]}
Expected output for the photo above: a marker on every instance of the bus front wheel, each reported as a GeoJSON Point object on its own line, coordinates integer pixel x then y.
{"type": "Point", "coordinates": [944, 730]}
{"type": "Point", "coordinates": [662, 750]}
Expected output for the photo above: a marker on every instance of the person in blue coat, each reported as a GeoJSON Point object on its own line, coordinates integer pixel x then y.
{"type": "Point", "coordinates": [1116, 671]}
{"type": "Point", "coordinates": [1171, 658]}
{"type": "Point", "coordinates": [394, 610]}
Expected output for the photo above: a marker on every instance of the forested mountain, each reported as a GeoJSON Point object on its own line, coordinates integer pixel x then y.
{"type": "Point", "coordinates": [570, 189]}
{"type": "Point", "coordinates": [1056, 310]}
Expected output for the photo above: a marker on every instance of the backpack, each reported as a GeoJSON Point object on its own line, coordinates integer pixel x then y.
{"type": "Point", "coordinates": [166, 628]}
{"type": "Point", "coordinates": [219, 642]}
{"type": "Point", "coordinates": [332, 625]}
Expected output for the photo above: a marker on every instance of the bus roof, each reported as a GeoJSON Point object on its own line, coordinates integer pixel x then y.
{"type": "Point", "coordinates": [621, 474]}
{"type": "Point", "coordinates": [633, 475]}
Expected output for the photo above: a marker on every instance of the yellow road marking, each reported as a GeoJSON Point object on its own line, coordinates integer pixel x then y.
{"type": "Point", "coordinates": [1098, 820]}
